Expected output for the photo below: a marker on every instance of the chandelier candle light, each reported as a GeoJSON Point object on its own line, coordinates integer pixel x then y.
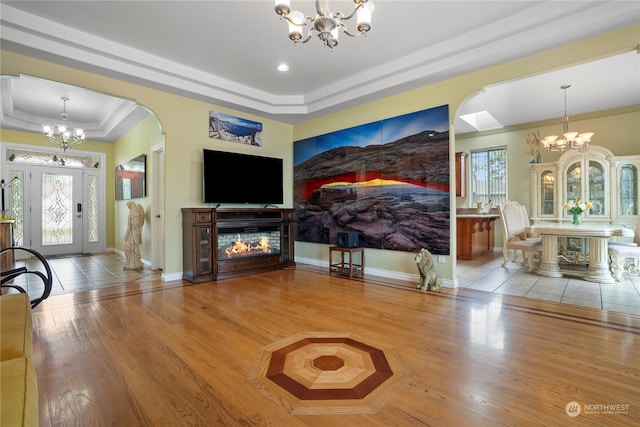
{"type": "Point", "coordinates": [577, 208]}
{"type": "Point", "coordinates": [62, 135]}
{"type": "Point", "coordinates": [575, 140]}
{"type": "Point", "coordinates": [328, 24]}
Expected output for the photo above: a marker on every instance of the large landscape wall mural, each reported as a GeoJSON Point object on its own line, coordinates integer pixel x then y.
{"type": "Point", "coordinates": [386, 180]}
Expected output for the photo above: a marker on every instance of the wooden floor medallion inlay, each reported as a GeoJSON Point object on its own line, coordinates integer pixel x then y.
{"type": "Point", "coordinates": [328, 363]}
{"type": "Point", "coordinates": [324, 373]}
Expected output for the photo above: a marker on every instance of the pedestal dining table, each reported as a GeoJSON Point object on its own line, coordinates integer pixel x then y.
{"type": "Point", "coordinates": [597, 258]}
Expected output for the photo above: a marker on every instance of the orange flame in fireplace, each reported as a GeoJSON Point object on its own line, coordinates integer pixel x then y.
{"type": "Point", "coordinates": [240, 247]}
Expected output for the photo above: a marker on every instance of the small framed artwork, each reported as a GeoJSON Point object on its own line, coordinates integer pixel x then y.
{"type": "Point", "coordinates": [236, 129]}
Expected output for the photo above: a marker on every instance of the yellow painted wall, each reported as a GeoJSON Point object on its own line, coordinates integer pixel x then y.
{"type": "Point", "coordinates": [134, 143]}
{"type": "Point", "coordinates": [184, 123]}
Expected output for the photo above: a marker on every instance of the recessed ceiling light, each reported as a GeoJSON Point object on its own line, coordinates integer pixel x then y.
{"type": "Point", "coordinates": [283, 67]}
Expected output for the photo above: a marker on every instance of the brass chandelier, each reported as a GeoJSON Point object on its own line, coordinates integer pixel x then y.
{"type": "Point", "coordinates": [574, 140]}
{"type": "Point", "coordinates": [327, 23]}
{"type": "Point", "coordinates": [62, 135]}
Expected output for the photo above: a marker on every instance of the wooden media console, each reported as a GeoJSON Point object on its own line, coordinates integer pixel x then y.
{"type": "Point", "coordinates": [220, 243]}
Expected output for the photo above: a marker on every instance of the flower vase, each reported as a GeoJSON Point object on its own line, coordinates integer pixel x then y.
{"type": "Point", "coordinates": [576, 219]}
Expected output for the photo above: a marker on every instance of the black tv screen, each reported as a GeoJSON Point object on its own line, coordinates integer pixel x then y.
{"type": "Point", "coordinates": [241, 178]}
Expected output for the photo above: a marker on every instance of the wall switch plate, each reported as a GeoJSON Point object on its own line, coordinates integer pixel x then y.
{"type": "Point", "coordinates": [441, 259]}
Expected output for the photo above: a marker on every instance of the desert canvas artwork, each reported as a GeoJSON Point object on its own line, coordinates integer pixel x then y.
{"type": "Point", "coordinates": [386, 180]}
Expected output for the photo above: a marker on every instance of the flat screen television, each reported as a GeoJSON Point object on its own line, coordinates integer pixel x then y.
{"type": "Point", "coordinates": [241, 178]}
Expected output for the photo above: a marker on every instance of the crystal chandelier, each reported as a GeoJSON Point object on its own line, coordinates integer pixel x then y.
{"type": "Point", "coordinates": [575, 140]}
{"type": "Point", "coordinates": [62, 135]}
{"type": "Point", "coordinates": [326, 23]}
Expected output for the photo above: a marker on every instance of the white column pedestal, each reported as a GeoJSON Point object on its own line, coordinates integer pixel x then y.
{"type": "Point", "coordinates": [598, 270]}
{"type": "Point", "coordinates": [549, 258]}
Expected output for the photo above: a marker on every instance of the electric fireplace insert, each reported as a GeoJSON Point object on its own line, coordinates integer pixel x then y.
{"type": "Point", "coordinates": [221, 243]}
{"type": "Point", "coordinates": [244, 242]}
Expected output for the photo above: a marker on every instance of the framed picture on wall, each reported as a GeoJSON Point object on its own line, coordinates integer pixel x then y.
{"type": "Point", "coordinates": [236, 129]}
{"type": "Point", "coordinates": [131, 179]}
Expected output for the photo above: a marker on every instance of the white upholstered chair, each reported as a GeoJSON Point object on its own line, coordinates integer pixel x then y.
{"type": "Point", "coordinates": [514, 220]}
{"type": "Point", "coordinates": [620, 252]}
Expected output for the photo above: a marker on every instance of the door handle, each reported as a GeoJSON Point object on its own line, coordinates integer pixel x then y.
{"type": "Point", "coordinates": [157, 216]}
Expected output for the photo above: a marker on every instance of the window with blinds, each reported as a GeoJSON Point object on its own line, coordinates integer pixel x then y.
{"type": "Point", "coordinates": [489, 176]}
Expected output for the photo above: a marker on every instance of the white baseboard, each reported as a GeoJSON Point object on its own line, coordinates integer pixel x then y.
{"type": "Point", "coordinates": [397, 275]}
{"type": "Point", "coordinates": [173, 276]}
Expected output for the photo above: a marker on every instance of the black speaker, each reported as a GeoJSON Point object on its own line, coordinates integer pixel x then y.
{"type": "Point", "coordinates": [347, 239]}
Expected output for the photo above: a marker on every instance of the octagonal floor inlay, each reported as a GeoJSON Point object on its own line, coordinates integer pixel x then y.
{"type": "Point", "coordinates": [322, 373]}
{"type": "Point", "coordinates": [328, 363]}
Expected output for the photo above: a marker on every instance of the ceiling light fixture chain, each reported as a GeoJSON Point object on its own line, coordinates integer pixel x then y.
{"type": "Point", "coordinates": [575, 140]}
{"type": "Point", "coordinates": [328, 24]}
{"type": "Point", "coordinates": [62, 135]}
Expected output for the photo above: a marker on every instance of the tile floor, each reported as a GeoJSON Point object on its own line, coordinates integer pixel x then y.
{"type": "Point", "coordinates": [83, 273]}
{"type": "Point", "coordinates": [486, 274]}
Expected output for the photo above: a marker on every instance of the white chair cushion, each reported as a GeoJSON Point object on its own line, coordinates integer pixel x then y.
{"type": "Point", "coordinates": [625, 250]}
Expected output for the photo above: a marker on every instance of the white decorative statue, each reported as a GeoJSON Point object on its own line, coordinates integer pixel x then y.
{"type": "Point", "coordinates": [133, 237]}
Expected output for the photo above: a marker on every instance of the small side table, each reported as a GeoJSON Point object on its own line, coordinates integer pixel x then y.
{"type": "Point", "coordinates": [346, 267]}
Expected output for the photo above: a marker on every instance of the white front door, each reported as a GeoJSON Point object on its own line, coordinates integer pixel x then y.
{"type": "Point", "coordinates": [59, 209]}
{"type": "Point", "coordinates": [56, 210]}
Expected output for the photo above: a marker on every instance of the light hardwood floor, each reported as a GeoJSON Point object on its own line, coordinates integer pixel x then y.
{"type": "Point", "coordinates": [97, 271]}
{"type": "Point", "coordinates": [175, 354]}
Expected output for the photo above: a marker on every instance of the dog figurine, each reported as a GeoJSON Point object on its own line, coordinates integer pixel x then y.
{"type": "Point", "coordinates": [428, 277]}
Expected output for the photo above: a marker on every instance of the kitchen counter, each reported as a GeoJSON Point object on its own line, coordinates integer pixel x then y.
{"type": "Point", "coordinates": [475, 234]}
